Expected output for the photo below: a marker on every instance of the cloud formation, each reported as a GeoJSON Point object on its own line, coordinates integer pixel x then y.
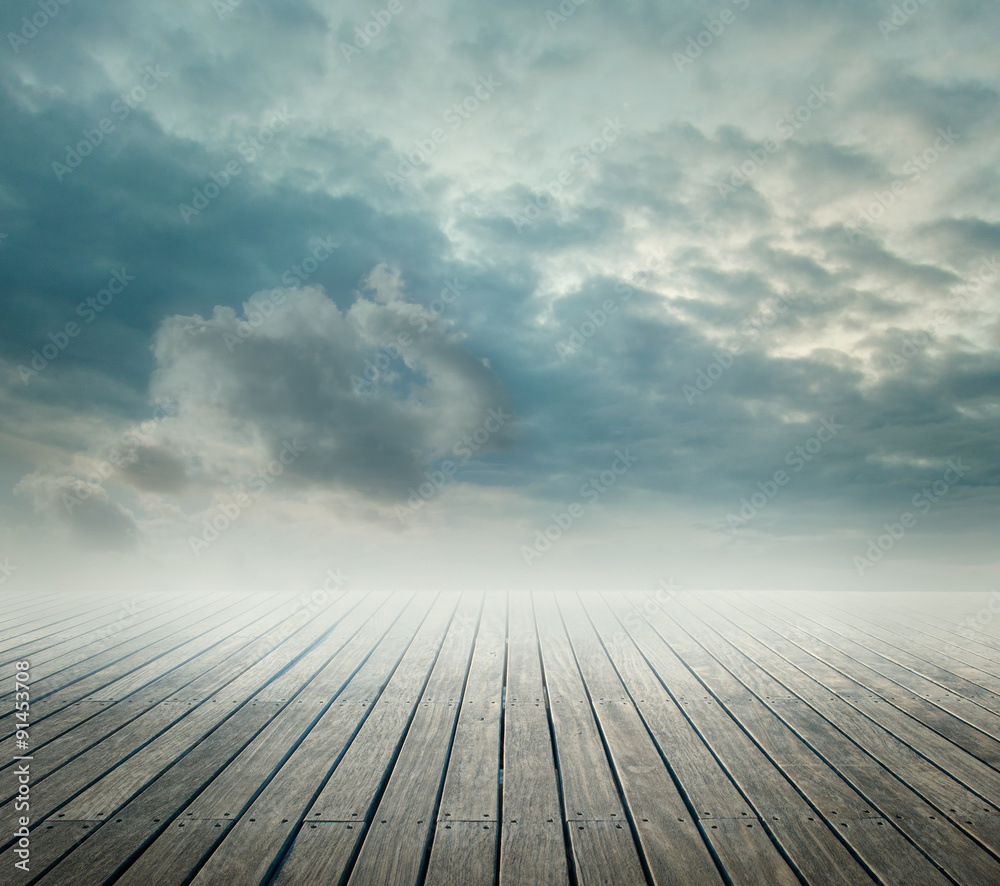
{"type": "Point", "coordinates": [515, 209]}
{"type": "Point", "coordinates": [376, 394]}
{"type": "Point", "coordinates": [84, 507]}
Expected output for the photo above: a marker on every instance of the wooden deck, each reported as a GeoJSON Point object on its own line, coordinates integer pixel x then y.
{"type": "Point", "coordinates": [544, 740]}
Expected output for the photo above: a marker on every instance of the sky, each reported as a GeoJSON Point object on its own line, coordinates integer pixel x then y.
{"type": "Point", "coordinates": [525, 295]}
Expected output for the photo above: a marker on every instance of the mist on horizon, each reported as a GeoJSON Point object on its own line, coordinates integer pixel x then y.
{"type": "Point", "coordinates": [442, 296]}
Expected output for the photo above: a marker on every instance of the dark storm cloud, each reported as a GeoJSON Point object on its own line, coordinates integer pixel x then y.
{"type": "Point", "coordinates": [371, 397]}
{"type": "Point", "coordinates": [119, 209]}
{"type": "Point", "coordinates": [153, 469]}
{"type": "Point", "coordinates": [83, 507]}
{"type": "Point", "coordinates": [828, 326]}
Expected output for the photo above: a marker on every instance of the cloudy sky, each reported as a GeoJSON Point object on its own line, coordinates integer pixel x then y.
{"type": "Point", "coordinates": [445, 294]}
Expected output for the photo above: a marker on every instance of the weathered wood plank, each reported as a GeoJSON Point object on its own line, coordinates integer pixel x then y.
{"type": "Point", "coordinates": [108, 673]}
{"type": "Point", "coordinates": [884, 850]}
{"type": "Point", "coordinates": [671, 840]}
{"type": "Point", "coordinates": [884, 637]}
{"type": "Point", "coordinates": [882, 682]}
{"type": "Point", "coordinates": [395, 844]}
{"type": "Point", "coordinates": [99, 629]}
{"type": "Point", "coordinates": [129, 763]}
{"type": "Point", "coordinates": [601, 840]}
{"type": "Point", "coordinates": [352, 637]}
{"type": "Point", "coordinates": [941, 771]}
{"type": "Point", "coordinates": [409, 739]}
{"type": "Point", "coordinates": [588, 785]}
{"type": "Point", "coordinates": [50, 618]}
{"type": "Point", "coordinates": [757, 668]}
{"type": "Point", "coordinates": [604, 854]}
{"type": "Point", "coordinates": [321, 852]}
{"type": "Point", "coordinates": [944, 670]}
{"type": "Point", "coordinates": [465, 840]}
{"type": "Point", "coordinates": [257, 843]}
{"type": "Point", "coordinates": [50, 841]}
{"type": "Point", "coordinates": [150, 814]}
{"type": "Point", "coordinates": [951, 634]}
{"type": "Point", "coordinates": [360, 773]}
{"type": "Point", "coordinates": [701, 736]}
{"type": "Point", "coordinates": [532, 844]}
{"type": "Point", "coordinates": [366, 663]}
{"type": "Point", "coordinates": [471, 789]}
{"type": "Point", "coordinates": [167, 860]}
{"type": "Point", "coordinates": [86, 727]}
{"type": "Point", "coordinates": [172, 648]}
{"type": "Point", "coordinates": [464, 854]}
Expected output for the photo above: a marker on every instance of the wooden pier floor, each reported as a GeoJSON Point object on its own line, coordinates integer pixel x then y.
{"type": "Point", "coordinates": [521, 740]}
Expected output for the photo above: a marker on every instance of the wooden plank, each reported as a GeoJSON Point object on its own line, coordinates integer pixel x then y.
{"type": "Point", "coordinates": [950, 634]}
{"type": "Point", "coordinates": [588, 786]}
{"type": "Point", "coordinates": [969, 619]}
{"type": "Point", "coordinates": [533, 853]}
{"type": "Point", "coordinates": [169, 646]}
{"type": "Point", "coordinates": [53, 713]}
{"type": "Point", "coordinates": [355, 782]}
{"type": "Point", "coordinates": [34, 627]}
{"type": "Point", "coordinates": [87, 726]}
{"type": "Point", "coordinates": [700, 739]}
{"type": "Point", "coordinates": [881, 788]}
{"type": "Point", "coordinates": [884, 851]}
{"type": "Point", "coordinates": [112, 846]}
{"type": "Point", "coordinates": [530, 792]}
{"type": "Point", "coordinates": [947, 672]}
{"type": "Point", "coordinates": [464, 852]}
{"type": "Point", "coordinates": [252, 688]}
{"type": "Point", "coordinates": [168, 859]}
{"type": "Point", "coordinates": [399, 740]}
{"type": "Point", "coordinates": [258, 840]}
{"type": "Point", "coordinates": [326, 668]}
{"type": "Point", "coordinates": [677, 710]}
{"type": "Point", "coordinates": [78, 645]}
{"type": "Point", "coordinates": [409, 682]}
{"type": "Point", "coordinates": [107, 670]}
{"type": "Point", "coordinates": [412, 791]}
{"type": "Point", "coordinates": [272, 617]}
{"type": "Point", "coordinates": [465, 841]}
{"type": "Point", "coordinates": [471, 788]}
{"type": "Point", "coordinates": [875, 631]}
{"type": "Point", "coordinates": [155, 812]}
{"type": "Point", "coordinates": [604, 854]}
{"type": "Point", "coordinates": [270, 744]}
{"type": "Point", "coordinates": [135, 754]}
{"type": "Point", "coordinates": [941, 771]}
{"type": "Point", "coordinates": [600, 854]}
{"type": "Point", "coordinates": [321, 852]}
{"type": "Point", "coordinates": [532, 844]}
{"type": "Point", "coordinates": [50, 841]}
{"type": "Point", "coordinates": [234, 788]}
{"type": "Point", "coordinates": [93, 855]}
{"type": "Point", "coordinates": [96, 630]}
{"type": "Point", "coordinates": [881, 681]}
{"type": "Point", "coordinates": [248, 755]}
{"type": "Point", "coordinates": [30, 608]}
{"type": "Point", "coordinates": [672, 842]}
{"type": "Point", "coordinates": [393, 851]}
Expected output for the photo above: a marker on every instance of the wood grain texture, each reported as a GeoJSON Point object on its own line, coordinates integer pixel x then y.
{"type": "Point", "coordinates": [419, 739]}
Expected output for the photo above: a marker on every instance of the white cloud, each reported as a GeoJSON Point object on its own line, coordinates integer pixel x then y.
{"type": "Point", "coordinates": [84, 507]}
{"type": "Point", "coordinates": [372, 398]}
